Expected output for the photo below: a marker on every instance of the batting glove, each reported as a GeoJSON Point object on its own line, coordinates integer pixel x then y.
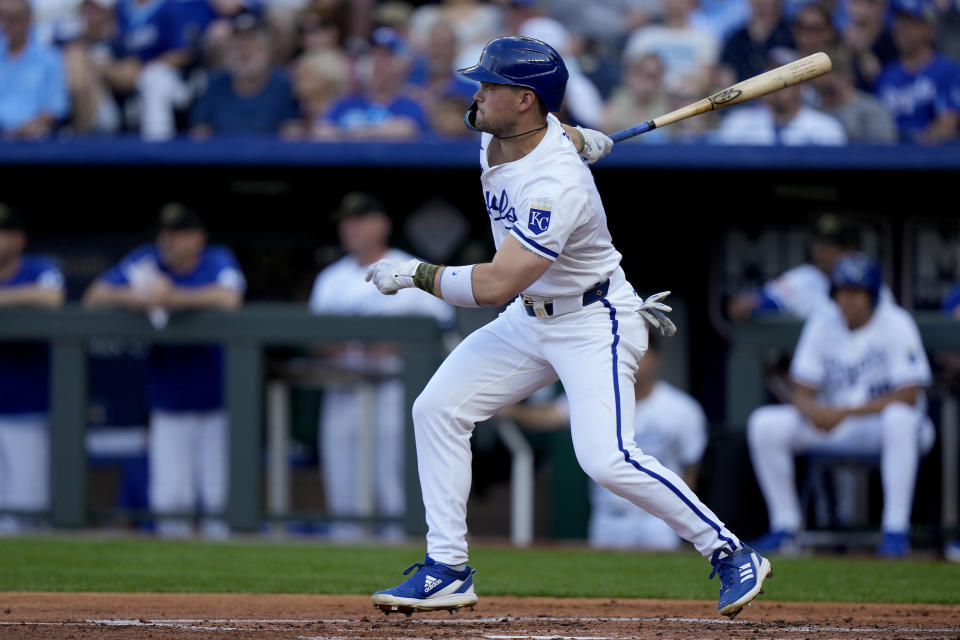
{"type": "Point", "coordinates": [389, 276]}
{"type": "Point", "coordinates": [595, 145]}
{"type": "Point", "coordinates": [655, 312]}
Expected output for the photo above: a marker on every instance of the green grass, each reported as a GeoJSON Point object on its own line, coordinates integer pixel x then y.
{"type": "Point", "coordinates": [147, 565]}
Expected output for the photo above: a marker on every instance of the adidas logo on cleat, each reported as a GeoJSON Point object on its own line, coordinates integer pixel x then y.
{"type": "Point", "coordinates": [431, 583]}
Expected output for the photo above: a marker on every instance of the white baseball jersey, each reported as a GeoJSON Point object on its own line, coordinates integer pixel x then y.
{"type": "Point", "coordinates": [852, 367]}
{"type": "Point", "coordinates": [547, 200]}
{"type": "Point", "coordinates": [340, 288]}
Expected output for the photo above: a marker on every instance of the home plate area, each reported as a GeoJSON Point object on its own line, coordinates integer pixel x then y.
{"type": "Point", "coordinates": [81, 616]}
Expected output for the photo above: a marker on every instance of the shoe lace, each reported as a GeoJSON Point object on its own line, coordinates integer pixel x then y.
{"type": "Point", "coordinates": [417, 565]}
{"type": "Point", "coordinates": [727, 570]}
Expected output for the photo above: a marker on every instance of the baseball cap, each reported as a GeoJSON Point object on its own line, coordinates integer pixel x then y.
{"type": "Point", "coordinates": [389, 38]}
{"type": "Point", "coordinates": [177, 217]}
{"type": "Point", "coordinates": [832, 229]}
{"type": "Point", "coordinates": [247, 22]}
{"type": "Point", "coordinates": [358, 203]}
{"type": "Point", "coordinates": [10, 220]}
{"type": "Point", "coordinates": [919, 9]}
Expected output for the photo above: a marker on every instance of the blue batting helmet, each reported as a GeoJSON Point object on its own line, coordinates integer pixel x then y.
{"type": "Point", "coordinates": [522, 62]}
{"type": "Point", "coordinates": [857, 271]}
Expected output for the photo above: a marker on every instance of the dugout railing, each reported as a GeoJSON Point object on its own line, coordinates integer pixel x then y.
{"type": "Point", "coordinates": [756, 343]}
{"type": "Point", "coordinates": [245, 335]}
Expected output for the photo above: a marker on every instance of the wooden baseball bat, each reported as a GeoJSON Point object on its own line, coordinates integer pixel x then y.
{"type": "Point", "coordinates": [787, 75]}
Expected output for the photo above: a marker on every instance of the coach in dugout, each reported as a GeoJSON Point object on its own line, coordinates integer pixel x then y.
{"type": "Point", "coordinates": [36, 281]}
{"type": "Point", "coordinates": [188, 431]}
{"type": "Point", "coordinates": [859, 373]}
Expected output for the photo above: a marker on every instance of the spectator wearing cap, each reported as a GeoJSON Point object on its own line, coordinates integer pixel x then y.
{"type": "Point", "coordinates": [188, 427]}
{"type": "Point", "coordinates": [921, 88]}
{"type": "Point", "coordinates": [33, 88]}
{"type": "Point", "coordinates": [340, 288]}
{"type": "Point", "coordinates": [382, 109]}
{"type": "Point", "coordinates": [36, 281]}
{"type": "Point", "coordinates": [252, 96]}
{"type": "Point", "coordinates": [801, 289]}
{"type": "Point", "coordinates": [780, 118]}
{"type": "Point", "coordinates": [148, 55]}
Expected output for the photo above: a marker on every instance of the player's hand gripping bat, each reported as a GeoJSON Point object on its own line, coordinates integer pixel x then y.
{"type": "Point", "coordinates": [792, 73]}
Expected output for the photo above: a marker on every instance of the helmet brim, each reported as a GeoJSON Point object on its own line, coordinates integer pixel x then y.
{"type": "Point", "coordinates": [482, 74]}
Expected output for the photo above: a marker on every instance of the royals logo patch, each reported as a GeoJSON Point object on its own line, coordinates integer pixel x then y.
{"type": "Point", "coordinates": [539, 217]}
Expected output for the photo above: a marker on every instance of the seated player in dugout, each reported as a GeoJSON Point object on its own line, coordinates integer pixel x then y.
{"type": "Point", "coordinates": [859, 373]}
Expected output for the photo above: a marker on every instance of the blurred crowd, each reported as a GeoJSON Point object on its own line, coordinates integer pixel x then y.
{"type": "Point", "coordinates": [385, 69]}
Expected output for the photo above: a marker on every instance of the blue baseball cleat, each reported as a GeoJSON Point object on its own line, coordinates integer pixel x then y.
{"type": "Point", "coordinates": [741, 578]}
{"type": "Point", "coordinates": [894, 545]}
{"type": "Point", "coordinates": [434, 587]}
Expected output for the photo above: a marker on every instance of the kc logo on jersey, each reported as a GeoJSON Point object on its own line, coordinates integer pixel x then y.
{"type": "Point", "coordinates": [539, 217]}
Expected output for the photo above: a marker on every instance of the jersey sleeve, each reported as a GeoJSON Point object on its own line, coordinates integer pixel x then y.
{"type": "Point", "coordinates": [807, 367]}
{"type": "Point", "coordinates": [546, 223]}
{"type": "Point", "coordinates": [48, 276]}
{"type": "Point", "coordinates": [117, 274]}
{"type": "Point", "coordinates": [908, 359]}
{"type": "Point", "coordinates": [228, 273]}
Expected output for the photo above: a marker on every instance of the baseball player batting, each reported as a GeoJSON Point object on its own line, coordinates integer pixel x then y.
{"type": "Point", "coordinates": [574, 317]}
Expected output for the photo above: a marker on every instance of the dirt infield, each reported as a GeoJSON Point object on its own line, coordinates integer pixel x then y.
{"type": "Point", "coordinates": [80, 616]}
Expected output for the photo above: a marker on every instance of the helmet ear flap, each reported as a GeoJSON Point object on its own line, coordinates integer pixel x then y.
{"type": "Point", "coordinates": [470, 117]}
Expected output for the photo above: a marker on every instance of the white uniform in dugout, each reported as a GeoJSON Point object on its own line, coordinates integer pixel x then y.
{"type": "Point", "coordinates": [849, 368]}
{"type": "Point", "coordinates": [549, 202]}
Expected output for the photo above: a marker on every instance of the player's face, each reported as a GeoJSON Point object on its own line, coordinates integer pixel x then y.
{"type": "Point", "coordinates": [856, 306]}
{"type": "Point", "coordinates": [11, 246]}
{"type": "Point", "coordinates": [496, 108]}
{"type": "Point", "coordinates": [365, 234]}
{"type": "Point", "coordinates": [180, 247]}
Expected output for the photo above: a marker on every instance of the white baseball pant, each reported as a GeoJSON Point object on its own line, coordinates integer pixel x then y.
{"type": "Point", "coordinates": [900, 434]}
{"type": "Point", "coordinates": [594, 352]}
{"type": "Point", "coordinates": [341, 440]}
{"type": "Point", "coordinates": [24, 468]}
{"type": "Point", "coordinates": [187, 454]}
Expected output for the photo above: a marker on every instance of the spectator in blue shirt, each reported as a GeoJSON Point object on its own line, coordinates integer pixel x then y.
{"type": "Point", "coordinates": [149, 52]}
{"type": "Point", "coordinates": [381, 110]}
{"type": "Point", "coordinates": [188, 428]}
{"type": "Point", "coordinates": [252, 95]}
{"type": "Point", "coordinates": [33, 90]}
{"type": "Point", "coordinates": [921, 88]}
{"type": "Point", "coordinates": [25, 280]}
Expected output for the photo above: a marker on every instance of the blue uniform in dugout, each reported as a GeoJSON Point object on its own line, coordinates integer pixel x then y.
{"type": "Point", "coordinates": [24, 427]}
{"type": "Point", "coordinates": [188, 425]}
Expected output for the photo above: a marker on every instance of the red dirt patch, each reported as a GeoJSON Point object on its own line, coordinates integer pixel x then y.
{"type": "Point", "coordinates": [82, 616]}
